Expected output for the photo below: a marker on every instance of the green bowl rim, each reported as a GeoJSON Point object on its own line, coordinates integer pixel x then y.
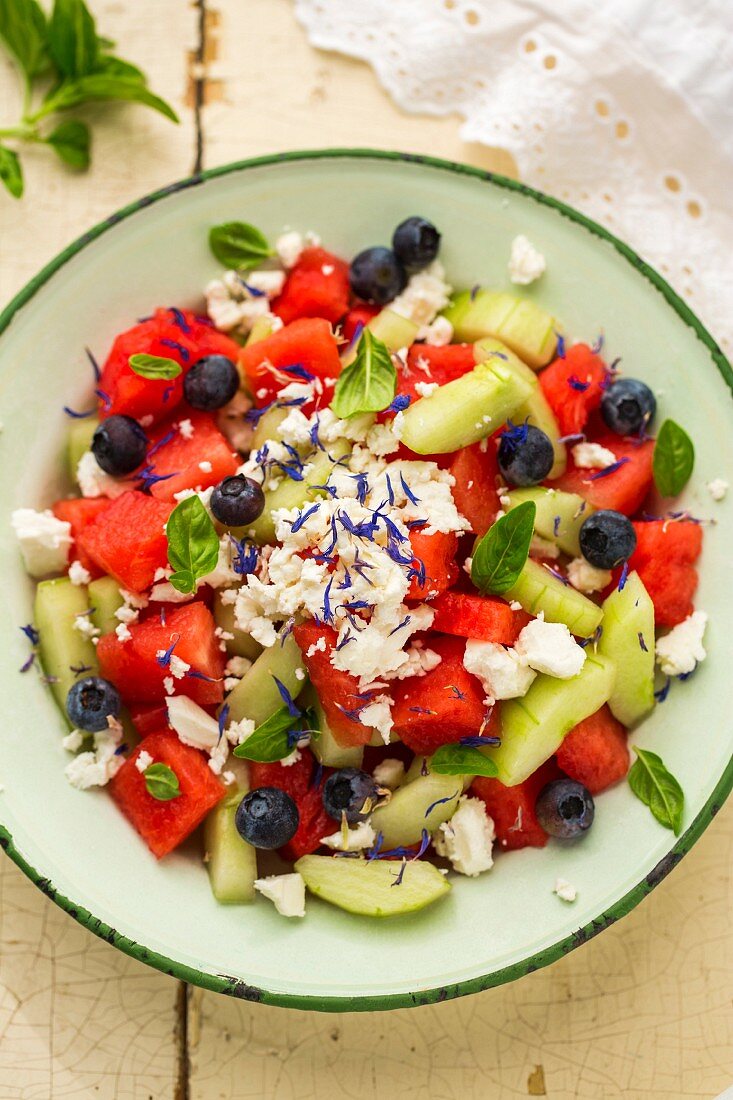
{"type": "Point", "coordinates": [235, 987]}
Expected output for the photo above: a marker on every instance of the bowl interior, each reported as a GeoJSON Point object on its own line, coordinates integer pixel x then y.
{"type": "Point", "coordinates": [489, 928]}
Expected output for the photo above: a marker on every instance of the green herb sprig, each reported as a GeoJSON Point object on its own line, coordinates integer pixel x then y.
{"type": "Point", "coordinates": [154, 366]}
{"type": "Point", "coordinates": [658, 789]}
{"type": "Point", "coordinates": [369, 383]}
{"type": "Point", "coordinates": [502, 553]}
{"type": "Point", "coordinates": [674, 459]}
{"type": "Point", "coordinates": [63, 59]}
{"type": "Point", "coordinates": [161, 782]}
{"type": "Point", "coordinates": [193, 544]}
{"type": "Point", "coordinates": [462, 760]}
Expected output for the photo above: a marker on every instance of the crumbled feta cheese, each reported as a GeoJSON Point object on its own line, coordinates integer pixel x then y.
{"type": "Point", "coordinates": [143, 760]}
{"type": "Point", "coordinates": [205, 466]}
{"type": "Point", "coordinates": [289, 247]}
{"type": "Point", "coordinates": [94, 482]}
{"type": "Point", "coordinates": [378, 715]}
{"type": "Point", "coordinates": [467, 839]}
{"type": "Point", "coordinates": [43, 539]}
{"type": "Point", "coordinates": [123, 632]}
{"type": "Point", "coordinates": [439, 333]}
{"type": "Point", "coordinates": [515, 605]}
{"type": "Point", "coordinates": [287, 892]}
{"type": "Point", "coordinates": [78, 575]}
{"type": "Point", "coordinates": [237, 732]}
{"type": "Point", "coordinates": [178, 667]}
{"type": "Point", "coordinates": [73, 741]}
{"type": "Point", "coordinates": [327, 269]}
{"type": "Point", "coordinates": [550, 648]}
{"type": "Point", "coordinates": [564, 890]}
{"type": "Point", "coordinates": [291, 758]}
{"type": "Point", "coordinates": [586, 578]}
{"type": "Point", "coordinates": [319, 645]}
{"type": "Point", "coordinates": [355, 839]}
{"type": "Point", "coordinates": [269, 282]}
{"type": "Point", "coordinates": [96, 768]}
{"type": "Point", "coordinates": [134, 600]}
{"type": "Point", "coordinates": [526, 263]}
{"type": "Point", "coordinates": [680, 651]}
{"type": "Point", "coordinates": [389, 773]}
{"type": "Point", "coordinates": [169, 684]}
{"type": "Point", "coordinates": [164, 592]}
{"type": "Point", "coordinates": [86, 627]}
{"type": "Point", "coordinates": [186, 428]}
{"type": "Point", "coordinates": [237, 666]}
{"type": "Point", "coordinates": [192, 724]}
{"type": "Point", "coordinates": [500, 670]}
{"type": "Point", "coordinates": [425, 295]}
{"type": "Point", "coordinates": [591, 456]}
{"type": "Point", "coordinates": [229, 778]}
{"type": "Point", "coordinates": [424, 389]}
{"type": "Point", "coordinates": [127, 614]}
{"type": "Point", "coordinates": [223, 576]}
{"type": "Point", "coordinates": [300, 674]}
{"type": "Point", "coordinates": [543, 548]}
{"type": "Point", "coordinates": [718, 488]}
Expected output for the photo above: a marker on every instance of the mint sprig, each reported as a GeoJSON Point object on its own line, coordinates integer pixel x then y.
{"type": "Point", "coordinates": [154, 366]}
{"type": "Point", "coordinates": [66, 48]}
{"type": "Point", "coordinates": [193, 544]}
{"type": "Point", "coordinates": [673, 460]}
{"type": "Point", "coordinates": [161, 782]}
{"type": "Point", "coordinates": [367, 384]}
{"type": "Point", "coordinates": [462, 760]}
{"type": "Point", "coordinates": [502, 553]}
{"type": "Point", "coordinates": [658, 789]}
{"type": "Point", "coordinates": [238, 245]}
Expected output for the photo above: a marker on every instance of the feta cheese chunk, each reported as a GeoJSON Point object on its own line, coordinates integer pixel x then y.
{"type": "Point", "coordinates": [526, 263]}
{"type": "Point", "coordinates": [389, 773]}
{"type": "Point", "coordinates": [355, 839]}
{"type": "Point", "coordinates": [550, 648]}
{"type": "Point", "coordinates": [591, 456]}
{"type": "Point", "coordinates": [287, 892]}
{"type": "Point", "coordinates": [78, 575]}
{"type": "Point", "coordinates": [94, 482]}
{"type": "Point", "coordinates": [425, 295]}
{"type": "Point", "coordinates": [586, 578]}
{"type": "Point", "coordinates": [43, 539]}
{"type": "Point", "coordinates": [378, 716]}
{"type": "Point", "coordinates": [143, 761]}
{"type": "Point", "coordinates": [565, 890]}
{"type": "Point", "coordinates": [718, 488]}
{"type": "Point", "coordinates": [467, 839]}
{"type": "Point", "coordinates": [96, 768]}
{"type": "Point", "coordinates": [192, 724]}
{"type": "Point", "coordinates": [500, 670]}
{"type": "Point", "coordinates": [438, 333]}
{"type": "Point", "coordinates": [679, 651]}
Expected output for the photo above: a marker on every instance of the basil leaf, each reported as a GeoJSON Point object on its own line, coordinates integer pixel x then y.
{"type": "Point", "coordinates": [367, 384]}
{"type": "Point", "coordinates": [11, 173]}
{"type": "Point", "coordinates": [238, 245]}
{"type": "Point", "coordinates": [72, 38]}
{"type": "Point", "coordinates": [24, 31]}
{"type": "Point", "coordinates": [193, 544]}
{"type": "Point", "coordinates": [502, 553]}
{"type": "Point", "coordinates": [461, 760]}
{"type": "Point", "coordinates": [105, 86]}
{"type": "Point", "coordinates": [70, 140]}
{"type": "Point", "coordinates": [674, 458]}
{"type": "Point", "coordinates": [115, 66]}
{"type": "Point", "coordinates": [154, 366]}
{"type": "Point", "coordinates": [270, 741]}
{"type": "Point", "coordinates": [658, 789]}
{"type": "Point", "coordinates": [161, 782]}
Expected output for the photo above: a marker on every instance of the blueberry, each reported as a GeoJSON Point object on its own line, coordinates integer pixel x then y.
{"type": "Point", "coordinates": [525, 454]}
{"type": "Point", "coordinates": [267, 818]}
{"type": "Point", "coordinates": [416, 242]}
{"type": "Point", "coordinates": [349, 791]}
{"type": "Point", "coordinates": [627, 406]}
{"type": "Point", "coordinates": [376, 275]}
{"type": "Point", "coordinates": [211, 383]}
{"type": "Point", "coordinates": [565, 808]}
{"type": "Point", "coordinates": [607, 538]}
{"type": "Point", "coordinates": [91, 701]}
{"type": "Point", "coordinates": [237, 501]}
{"type": "Point", "coordinates": [119, 445]}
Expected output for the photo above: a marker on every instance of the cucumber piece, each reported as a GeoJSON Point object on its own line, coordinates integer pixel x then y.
{"type": "Point", "coordinates": [523, 326]}
{"type": "Point", "coordinates": [453, 416]}
{"type": "Point", "coordinates": [536, 409]}
{"type": "Point", "coordinates": [403, 819]}
{"type": "Point", "coordinates": [393, 330]}
{"type": "Point", "coordinates": [104, 600]}
{"type": "Point", "coordinates": [79, 441]}
{"type": "Point", "coordinates": [533, 728]}
{"type": "Point", "coordinates": [367, 887]}
{"type": "Point", "coordinates": [571, 509]}
{"type": "Point", "coordinates": [267, 427]}
{"type": "Point", "coordinates": [325, 747]}
{"type": "Point", "coordinates": [261, 329]}
{"type": "Point", "coordinates": [539, 590]}
{"type": "Point", "coordinates": [295, 494]}
{"type": "Point", "coordinates": [241, 645]}
{"type": "Point", "coordinates": [58, 602]}
{"type": "Point", "coordinates": [231, 862]}
{"type": "Point", "coordinates": [628, 615]}
{"type": "Point", "coordinates": [256, 695]}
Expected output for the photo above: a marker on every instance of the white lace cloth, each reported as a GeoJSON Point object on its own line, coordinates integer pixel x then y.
{"type": "Point", "coordinates": [623, 110]}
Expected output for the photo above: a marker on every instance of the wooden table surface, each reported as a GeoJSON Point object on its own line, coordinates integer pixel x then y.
{"type": "Point", "coordinates": [644, 1010]}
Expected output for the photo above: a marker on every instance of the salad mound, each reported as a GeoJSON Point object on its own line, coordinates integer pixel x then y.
{"type": "Point", "coordinates": [362, 574]}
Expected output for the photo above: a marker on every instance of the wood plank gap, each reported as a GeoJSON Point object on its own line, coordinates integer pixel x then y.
{"type": "Point", "coordinates": [183, 1067]}
{"type": "Point", "coordinates": [199, 88]}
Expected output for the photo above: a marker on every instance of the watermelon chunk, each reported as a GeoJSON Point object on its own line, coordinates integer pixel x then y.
{"type": "Point", "coordinates": [127, 539]}
{"type": "Point", "coordinates": [360, 313]}
{"type": "Point", "coordinates": [663, 558]}
{"type": "Point", "coordinates": [574, 387]}
{"type": "Point", "coordinates": [337, 690]}
{"type": "Point", "coordinates": [308, 343]}
{"type": "Point", "coordinates": [149, 717]}
{"type": "Point", "coordinates": [595, 752]}
{"type": "Point", "coordinates": [164, 825]}
{"type": "Point", "coordinates": [303, 781]}
{"type": "Point", "coordinates": [622, 490]}
{"type": "Point", "coordinates": [80, 512]}
{"type": "Point", "coordinates": [512, 808]}
{"type": "Point", "coordinates": [476, 473]}
{"type": "Point", "coordinates": [466, 615]}
{"type": "Point", "coordinates": [444, 705]}
{"type": "Point", "coordinates": [430, 364]}
{"type": "Point", "coordinates": [434, 563]}
{"type": "Point", "coordinates": [137, 672]}
{"type": "Point", "coordinates": [196, 463]}
{"type": "Point", "coordinates": [317, 286]}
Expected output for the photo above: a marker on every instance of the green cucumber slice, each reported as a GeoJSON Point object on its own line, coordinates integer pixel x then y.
{"type": "Point", "coordinates": [104, 600]}
{"type": "Point", "coordinates": [520, 323]}
{"type": "Point", "coordinates": [256, 695]}
{"type": "Point", "coordinates": [267, 426]}
{"type": "Point", "coordinates": [79, 441]}
{"type": "Point", "coordinates": [57, 605]}
{"type": "Point", "coordinates": [325, 747]}
{"type": "Point", "coordinates": [571, 509]}
{"type": "Point", "coordinates": [393, 330]}
{"type": "Point", "coordinates": [241, 645]}
{"type": "Point", "coordinates": [295, 494]}
{"type": "Point", "coordinates": [367, 887]}
{"type": "Point", "coordinates": [628, 615]}
{"type": "Point", "coordinates": [406, 814]}
{"type": "Point", "coordinates": [539, 590]}
{"type": "Point", "coordinates": [231, 861]}
{"type": "Point", "coordinates": [453, 416]}
{"type": "Point", "coordinates": [533, 728]}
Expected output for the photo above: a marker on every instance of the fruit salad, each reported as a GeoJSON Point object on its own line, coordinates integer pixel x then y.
{"type": "Point", "coordinates": [363, 576]}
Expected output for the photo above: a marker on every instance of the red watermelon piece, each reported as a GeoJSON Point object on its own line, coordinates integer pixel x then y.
{"type": "Point", "coordinates": [360, 314]}
{"type": "Point", "coordinates": [303, 781]}
{"type": "Point", "coordinates": [317, 286]}
{"type": "Point", "coordinates": [80, 512]}
{"type": "Point", "coordinates": [623, 489]}
{"type": "Point", "coordinates": [512, 808]}
{"type": "Point", "coordinates": [663, 558]}
{"type": "Point", "coordinates": [308, 343]}
{"type": "Point", "coordinates": [430, 364]}
{"type": "Point", "coordinates": [476, 473]}
{"type": "Point", "coordinates": [127, 539]}
{"type": "Point", "coordinates": [595, 752]}
{"type": "Point", "coordinates": [488, 618]}
{"type": "Point", "coordinates": [434, 561]}
{"type": "Point", "coordinates": [197, 462]}
{"type": "Point", "coordinates": [574, 387]}
{"type": "Point", "coordinates": [337, 690]}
